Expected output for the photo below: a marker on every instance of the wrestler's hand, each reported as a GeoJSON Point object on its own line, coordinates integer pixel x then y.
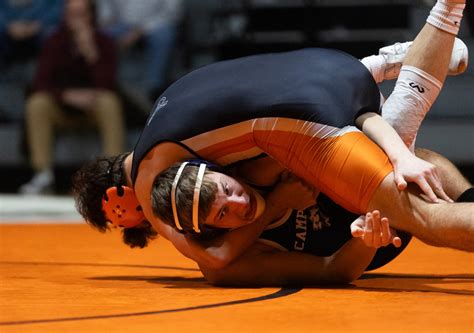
{"type": "Point", "coordinates": [293, 192]}
{"type": "Point", "coordinates": [375, 230]}
{"type": "Point", "coordinates": [407, 167]}
{"type": "Point", "coordinates": [413, 169]}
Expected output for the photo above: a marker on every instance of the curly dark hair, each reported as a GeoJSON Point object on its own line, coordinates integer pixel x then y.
{"type": "Point", "coordinates": [88, 188]}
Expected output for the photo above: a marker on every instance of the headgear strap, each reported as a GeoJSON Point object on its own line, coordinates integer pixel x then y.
{"type": "Point", "coordinates": [197, 191]}
{"type": "Point", "coordinates": [173, 195]}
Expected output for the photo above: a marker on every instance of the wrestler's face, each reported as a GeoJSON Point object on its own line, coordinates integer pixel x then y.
{"type": "Point", "coordinates": [236, 204]}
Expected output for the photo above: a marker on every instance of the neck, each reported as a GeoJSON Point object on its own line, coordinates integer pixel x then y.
{"type": "Point", "coordinates": [127, 169]}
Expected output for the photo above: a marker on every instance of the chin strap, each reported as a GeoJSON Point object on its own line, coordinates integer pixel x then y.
{"type": "Point", "coordinates": [121, 207]}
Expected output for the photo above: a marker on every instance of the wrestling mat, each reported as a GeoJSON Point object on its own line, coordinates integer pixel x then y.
{"type": "Point", "coordinates": [69, 278]}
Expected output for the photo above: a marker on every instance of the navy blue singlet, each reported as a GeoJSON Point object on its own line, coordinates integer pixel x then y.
{"type": "Point", "coordinates": [321, 230]}
{"type": "Point", "coordinates": [320, 86]}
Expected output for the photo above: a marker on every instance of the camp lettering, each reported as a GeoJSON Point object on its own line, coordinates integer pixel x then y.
{"type": "Point", "coordinates": [300, 230]}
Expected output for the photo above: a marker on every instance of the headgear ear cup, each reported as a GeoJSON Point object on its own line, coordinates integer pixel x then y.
{"type": "Point", "coordinates": [121, 207]}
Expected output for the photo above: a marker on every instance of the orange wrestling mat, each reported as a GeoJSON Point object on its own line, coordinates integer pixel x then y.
{"type": "Point", "coordinates": [69, 278]}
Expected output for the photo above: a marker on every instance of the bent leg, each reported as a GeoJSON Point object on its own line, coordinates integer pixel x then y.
{"type": "Point", "coordinates": [421, 77]}
{"type": "Point", "coordinates": [444, 225]}
{"type": "Point", "coordinates": [343, 163]}
{"type": "Point", "coordinates": [424, 69]}
{"type": "Point", "coordinates": [43, 114]}
{"type": "Point", "coordinates": [387, 64]}
{"type": "Point", "coordinates": [109, 117]}
{"type": "Point", "coordinates": [454, 183]}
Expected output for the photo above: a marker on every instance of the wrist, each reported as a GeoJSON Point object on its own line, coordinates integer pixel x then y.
{"type": "Point", "coordinates": [398, 152]}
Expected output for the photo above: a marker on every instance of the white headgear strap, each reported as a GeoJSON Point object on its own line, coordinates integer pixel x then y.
{"type": "Point", "coordinates": [197, 191]}
{"type": "Point", "coordinates": [173, 195]}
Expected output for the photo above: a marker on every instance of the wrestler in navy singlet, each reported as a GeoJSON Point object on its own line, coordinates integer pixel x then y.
{"type": "Point", "coordinates": [321, 230]}
{"type": "Point", "coordinates": [322, 86]}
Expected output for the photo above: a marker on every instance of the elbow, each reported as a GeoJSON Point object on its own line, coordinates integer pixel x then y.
{"type": "Point", "coordinates": [343, 275]}
{"type": "Point", "coordinates": [217, 261]}
{"type": "Point", "coordinates": [361, 119]}
{"type": "Point", "coordinates": [215, 277]}
{"type": "Point", "coordinates": [346, 277]}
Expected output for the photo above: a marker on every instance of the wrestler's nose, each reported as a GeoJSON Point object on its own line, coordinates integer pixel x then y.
{"type": "Point", "coordinates": [238, 204]}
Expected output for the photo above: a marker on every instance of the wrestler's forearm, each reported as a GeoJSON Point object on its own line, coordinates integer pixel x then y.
{"type": "Point", "coordinates": [275, 268]}
{"type": "Point", "coordinates": [351, 260]}
{"type": "Point", "coordinates": [226, 248]}
{"type": "Point", "coordinates": [407, 167]}
{"type": "Point", "coordinates": [220, 251]}
{"type": "Point", "coordinates": [379, 131]}
{"type": "Point", "coordinates": [187, 246]}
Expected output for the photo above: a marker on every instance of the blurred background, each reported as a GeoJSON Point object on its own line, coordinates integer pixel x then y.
{"type": "Point", "coordinates": [78, 79]}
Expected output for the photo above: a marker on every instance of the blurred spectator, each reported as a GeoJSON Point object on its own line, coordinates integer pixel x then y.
{"type": "Point", "coordinates": [74, 86]}
{"type": "Point", "coordinates": [24, 24]}
{"type": "Point", "coordinates": [151, 24]}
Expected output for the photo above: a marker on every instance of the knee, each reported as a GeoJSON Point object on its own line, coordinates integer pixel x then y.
{"type": "Point", "coordinates": [406, 210]}
{"type": "Point", "coordinates": [108, 103]}
{"type": "Point", "coordinates": [39, 104]}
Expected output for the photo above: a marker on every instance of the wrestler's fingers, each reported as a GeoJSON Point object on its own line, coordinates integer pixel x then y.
{"type": "Point", "coordinates": [357, 232]}
{"type": "Point", "coordinates": [376, 229]}
{"type": "Point", "coordinates": [396, 241]}
{"type": "Point", "coordinates": [386, 234]}
{"type": "Point", "coordinates": [400, 182]}
{"type": "Point", "coordinates": [442, 195]}
{"type": "Point", "coordinates": [356, 228]}
{"type": "Point", "coordinates": [368, 235]}
{"type": "Point", "coordinates": [426, 188]}
{"type": "Point", "coordinates": [437, 185]}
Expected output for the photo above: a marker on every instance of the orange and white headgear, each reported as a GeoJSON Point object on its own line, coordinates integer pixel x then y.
{"type": "Point", "coordinates": [120, 203]}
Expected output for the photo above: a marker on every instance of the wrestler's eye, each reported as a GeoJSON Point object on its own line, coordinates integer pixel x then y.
{"type": "Point", "coordinates": [222, 213]}
{"type": "Point", "coordinates": [225, 188]}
